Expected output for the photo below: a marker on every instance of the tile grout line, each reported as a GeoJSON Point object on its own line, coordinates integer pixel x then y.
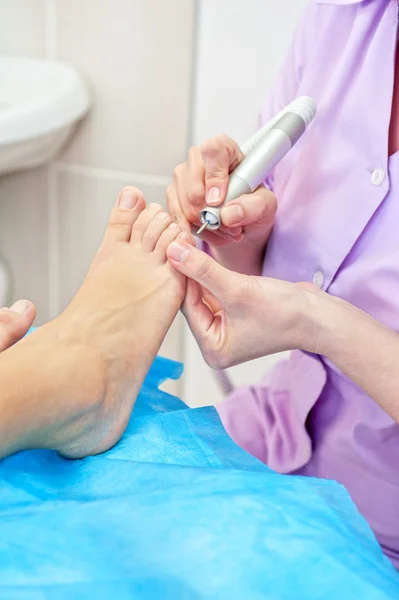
{"type": "Point", "coordinates": [113, 174]}
{"type": "Point", "coordinates": [53, 242]}
{"type": "Point", "coordinates": [52, 183]}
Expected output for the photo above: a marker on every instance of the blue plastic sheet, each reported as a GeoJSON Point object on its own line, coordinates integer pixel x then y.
{"type": "Point", "coordinates": [177, 511]}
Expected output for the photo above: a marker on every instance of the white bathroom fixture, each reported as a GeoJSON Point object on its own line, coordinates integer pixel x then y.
{"type": "Point", "coordinates": [40, 104]}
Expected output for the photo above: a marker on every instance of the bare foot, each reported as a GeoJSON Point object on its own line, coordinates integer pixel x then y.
{"type": "Point", "coordinates": [111, 332]}
{"type": "Point", "coordinates": [15, 322]}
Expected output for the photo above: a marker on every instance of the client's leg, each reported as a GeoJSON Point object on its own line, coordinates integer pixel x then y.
{"type": "Point", "coordinates": [72, 384]}
{"type": "Point", "coordinates": [15, 322]}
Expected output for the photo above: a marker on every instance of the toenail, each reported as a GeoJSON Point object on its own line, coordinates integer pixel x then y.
{"type": "Point", "coordinates": [173, 226]}
{"type": "Point", "coordinates": [127, 200]}
{"type": "Point", "coordinates": [163, 216]}
{"type": "Point", "coordinates": [20, 307]}
{"type": "Point", "coordinates": [178, 251]}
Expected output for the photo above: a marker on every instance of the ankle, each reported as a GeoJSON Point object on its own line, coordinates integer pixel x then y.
{"type": "Point", "coordinates": [78, 378]}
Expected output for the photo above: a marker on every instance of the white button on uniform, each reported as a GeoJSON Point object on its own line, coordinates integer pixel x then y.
{"type": "Point", "coordinates": [318, 278]}
{"type": "Point", "coordinates": [378, 177]}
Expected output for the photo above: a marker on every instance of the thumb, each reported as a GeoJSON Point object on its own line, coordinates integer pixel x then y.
{"type": "Point", "coordinates": [220, 156]}
{"type": "Point", "coordinates": [258, 208]}
{"type": "Point", "coordinates": [200, 267]}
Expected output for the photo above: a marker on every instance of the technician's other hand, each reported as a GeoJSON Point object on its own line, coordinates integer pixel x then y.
{"type": "Point", "coordinates": [236, 318]}
{"type": "Point", "coordinates": [203, 180]}
{"type": "Point", "coordinates": [15, 322]}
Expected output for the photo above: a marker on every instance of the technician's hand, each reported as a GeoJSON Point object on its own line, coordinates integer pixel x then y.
{"type": "Point", "coordinates": [235, 317]}
{"type": "Point", "coordinates": [203, 179]}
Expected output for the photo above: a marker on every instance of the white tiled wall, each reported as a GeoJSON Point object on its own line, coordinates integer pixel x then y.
{"type": "Point", "coordinates": [22, 27]}
{"type": "Point", "coordinates": [23, 236]}
{"type": "Point", "coordinates": [136, 56]}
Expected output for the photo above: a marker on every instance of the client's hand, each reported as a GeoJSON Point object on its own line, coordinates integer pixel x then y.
{"type": "Point", "coordinates": [236, 318]}
{"type": "Point", "coordinates": [15, 322]}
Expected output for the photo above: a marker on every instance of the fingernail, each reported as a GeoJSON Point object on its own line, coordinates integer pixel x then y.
{"type": "Point", "coordinates": [213, 196]}
{"type": "Point", "coordinates": [179, 252]}
{"type": "Point", "coordinates": [20, 307]}
{"type": "Point", "coordinates": [127, 200]}
{"type": "Point", "coordinates": [232, 215]}
{"type": "Point", "coordinates": [238, 239]}
{"type": "Point", "coordinates": [232, 231]}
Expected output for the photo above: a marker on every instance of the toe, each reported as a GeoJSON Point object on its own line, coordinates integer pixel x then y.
{"type": "Point", "coordinates": [129, 206]}
{"type": "Point", "coordinates": [142, 223]}
{"type": "Point", "coordinates": [168, 236]}
{"type": "Point", "coordinates": [154, 231]}
{"type": "Point", "coordinates": [15, 322]}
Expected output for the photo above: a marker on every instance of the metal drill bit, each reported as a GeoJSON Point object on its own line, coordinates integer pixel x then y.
{"type": "Point", "coordinates": [204, 226]}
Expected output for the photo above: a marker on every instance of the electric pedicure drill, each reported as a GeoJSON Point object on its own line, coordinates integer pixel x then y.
{"type": "Point", "coordinates": [262, 152]}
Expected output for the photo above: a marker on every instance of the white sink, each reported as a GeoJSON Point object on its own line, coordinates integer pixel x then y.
{"type": "Point", "coordinates": [40, 105]}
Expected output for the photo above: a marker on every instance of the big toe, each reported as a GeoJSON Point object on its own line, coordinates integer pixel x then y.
{"type": "Point", "coordinates": [125, 213]}
{"type": "Point", "coordinates": [15, 322]}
